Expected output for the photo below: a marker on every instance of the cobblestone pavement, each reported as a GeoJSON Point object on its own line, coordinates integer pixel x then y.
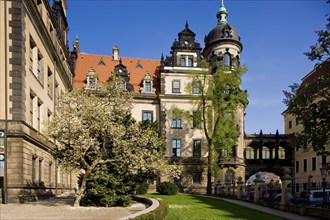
{"type": "Point", "coordinates": [61, 208]}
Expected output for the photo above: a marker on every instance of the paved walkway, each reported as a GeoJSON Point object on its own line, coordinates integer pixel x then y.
{"type": "Point", "coordinates": [61, 208]}
{"type": "Point", "coordinates": [284, 214]}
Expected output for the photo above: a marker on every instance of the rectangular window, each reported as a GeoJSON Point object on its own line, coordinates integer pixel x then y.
{"type": "Point", "coordinates": [148, 87]}
{"type": "Point", "coordinates": [50, 83]}
{"type": "Point", "coordinates": [50, 173]}
{"type": "Point", "coordinates": [34, 173]}
{"type": "Point", "coordinates": [31, 108]}
{"type": "Point", "coordinates": [197, 148]}
{"type": "Point", "coordinates": [313, 163]}
{"type": "Point", "coordinates": [305, 165]}
{"type": "Point", "coordinates": [176, 122]}
{"type": "Point", "coordinates": [297, 121]}
{"type": "Point", "coordinates": [323, 159]}
{"type": "Point", "coordinates": [176, 147]}
{"type": "Point", "coordinates": [190, 61]}
{"type": "Point", "coordinates": [197, 178]}
{"type": "Point", "coordinates": [147, 115]}
{"type": "Point", "coordinates": [40, 170]}
{"type": "Point", "coordinates": [297, 166]}
{"type": "Point", "coordinates": [38, 114]}
{"type": "Point", "coordinates": [197, 122]}
{"type": "Point", "coordinates": [290, 124]}
{"type": "Point", "coordinates": [175, 86]}
{"type": "Point", "coordinates": [196, 88]}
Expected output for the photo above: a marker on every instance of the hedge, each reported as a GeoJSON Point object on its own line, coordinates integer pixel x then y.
{"type": "Point", "coordinates": [157, 214]}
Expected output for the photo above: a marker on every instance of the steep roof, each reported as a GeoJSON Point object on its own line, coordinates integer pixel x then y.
{"type": "Point", "coordinates": [104, 65]}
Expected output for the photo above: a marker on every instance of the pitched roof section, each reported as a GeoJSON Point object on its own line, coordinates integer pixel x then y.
{"type": "Point", "coordinates": [86, 61]}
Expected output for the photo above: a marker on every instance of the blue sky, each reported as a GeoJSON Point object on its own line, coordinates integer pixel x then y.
{"type": "Point", "coordinates": [274, 34]}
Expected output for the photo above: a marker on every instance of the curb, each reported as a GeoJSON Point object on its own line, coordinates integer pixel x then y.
{"type": "Point", "coordinates": [155, 204]}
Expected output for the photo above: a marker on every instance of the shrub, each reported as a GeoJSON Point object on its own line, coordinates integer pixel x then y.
{"type": "Point", "coordinates": [158, 214]}
{"type": "Point", "coordinates": [167, 188]}
{"type": "Point", "coordinates": [142, 188]}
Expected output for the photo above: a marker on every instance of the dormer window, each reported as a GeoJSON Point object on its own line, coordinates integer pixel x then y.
{"type": "Point", "coordinates": [123, 85]}
{"type": "Point", "coordinates": [147, 87]}
{"type": "Point", "coordinates": [92, 82]}
{"type": "Point", "coordinates": [91, 79]}
{"type": "Point", "coordinates": [226, 60]}
{"type": "Point", "coordinates": [147, 84]}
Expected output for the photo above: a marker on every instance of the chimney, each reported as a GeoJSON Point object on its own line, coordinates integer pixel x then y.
{"type": "Point", "coordinates": [115, 52]}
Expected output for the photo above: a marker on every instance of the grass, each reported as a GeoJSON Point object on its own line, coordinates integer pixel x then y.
{"type": "Point", "coordinates": [189, 206]}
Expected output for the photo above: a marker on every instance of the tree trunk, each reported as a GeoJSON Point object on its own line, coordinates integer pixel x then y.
{"type": "Point", "coordinates": [82, 187]}
{"type": "Point", "coordinates": [209, 170]}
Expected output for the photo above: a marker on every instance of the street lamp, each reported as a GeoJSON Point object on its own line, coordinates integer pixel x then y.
{"type": "Point", "coordinates": [324, 171]}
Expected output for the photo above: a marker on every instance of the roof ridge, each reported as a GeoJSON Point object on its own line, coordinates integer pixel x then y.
{"type": "Point", "coordinates": [103, 56]}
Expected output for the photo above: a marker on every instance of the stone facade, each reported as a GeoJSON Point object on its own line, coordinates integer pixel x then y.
{"type": "Point", "coordinates": [36, 67]}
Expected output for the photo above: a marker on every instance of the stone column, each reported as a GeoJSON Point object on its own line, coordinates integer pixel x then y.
{"type": "Point", "coordinates": [239, 187]}
{"type": "Point", "coordinates": [286, 182]}
{"type": "Point", "coordinates": [257, 191]}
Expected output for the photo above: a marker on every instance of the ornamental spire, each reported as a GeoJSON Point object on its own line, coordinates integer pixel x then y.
{"type": "Point", "coordinates": [222, 14]}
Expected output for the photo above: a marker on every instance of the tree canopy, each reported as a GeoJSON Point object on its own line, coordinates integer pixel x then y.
{"type": "Point", "coordinates": [94, 129]}
{"type": "Point", "coordinates": [320, 51]}
{"type": "Point", "coordinates": [218, 99]}
{"type": "Point", "coordinates": [310, 104]}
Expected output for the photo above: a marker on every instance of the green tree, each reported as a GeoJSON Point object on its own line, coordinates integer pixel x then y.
{"type": "Point", "coordinates": [91, 130]}
{"type": "Point", "coordinates": [218, 99]}
{"type": "Point", "coordinates": [310, 103]}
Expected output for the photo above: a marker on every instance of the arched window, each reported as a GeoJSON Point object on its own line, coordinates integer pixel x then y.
{"type": "Point", "coordinates": [265, 153]}
{"type": "Point", "coordinates": [281, 153]}
{"type": "Point", "coordinates": [183, 61]}
{"type": "Point", "coordinates": [190, 61]}
{"type": "Point", "coordinates": [226, 60]}
{"type": "Point", "coordinates": [249, 153]}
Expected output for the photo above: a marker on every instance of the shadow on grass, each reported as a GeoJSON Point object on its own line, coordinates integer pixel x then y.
{"type": "Point", "coordinates": [190, 206]}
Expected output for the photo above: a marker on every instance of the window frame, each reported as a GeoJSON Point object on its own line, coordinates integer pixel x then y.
{"type": "Point", "coordinates": [197, 148]}
{"type": "Point", "coordinates": [176, 147]}
{"type": "Point", "coordinates": [226, 59]}
{"type": "Point", "coordinates": [147, 112]}
{"type": "Point", "coordinates": [147, 86]}
{"type": "Point", "coordinates": [176, 89]}
{"type": "Point", "coordinates": [249, 153]}
{"type": "Point", "coordinates": [197, 120]}
{"type": "Point", "coordinates": [176, 122]}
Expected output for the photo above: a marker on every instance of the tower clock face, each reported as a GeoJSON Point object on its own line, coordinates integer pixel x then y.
{"type": "Point", "coordinates": [2, 157]}
{"type": "Point", "coordinates": [186, 42]}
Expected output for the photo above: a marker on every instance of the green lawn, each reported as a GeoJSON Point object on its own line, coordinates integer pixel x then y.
{"type": "Point", "coordinates": [189, 206]}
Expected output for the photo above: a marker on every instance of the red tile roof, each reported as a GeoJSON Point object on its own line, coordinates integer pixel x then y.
{"type": "Point", "coordinates": [137, 72]}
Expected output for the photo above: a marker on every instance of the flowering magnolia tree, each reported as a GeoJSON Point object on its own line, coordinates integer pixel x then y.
{"type": "Point", "coordinates": [95, 129]}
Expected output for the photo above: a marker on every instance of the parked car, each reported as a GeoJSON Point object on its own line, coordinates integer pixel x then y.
{"type": "Point", "coordinates": [314, 197]}
{"type": "Point", "coordinates": [278, 197]}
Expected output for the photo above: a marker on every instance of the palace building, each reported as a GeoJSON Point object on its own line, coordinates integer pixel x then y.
{"type": "Point", "coordinates": [161, 86]}
{"type": "Point", "coordinates": [37, 66]}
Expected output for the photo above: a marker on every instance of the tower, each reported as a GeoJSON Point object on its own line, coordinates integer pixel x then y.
{"type": "Point", "coordinates": [222, 44]}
